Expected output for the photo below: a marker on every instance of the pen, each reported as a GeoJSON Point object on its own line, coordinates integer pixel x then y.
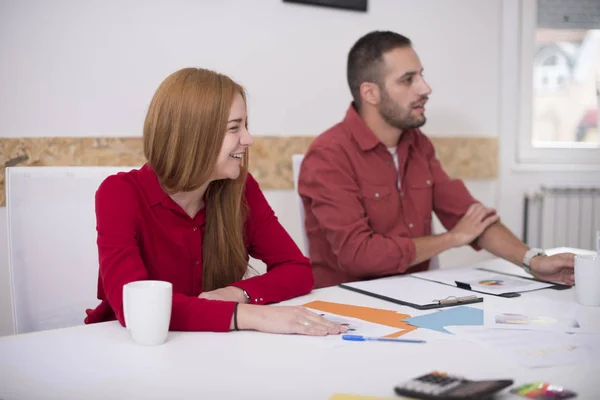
{"type": "Point", "coordinates": [359, 338]}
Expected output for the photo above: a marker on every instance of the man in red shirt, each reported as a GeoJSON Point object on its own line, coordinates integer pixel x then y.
{"type": "Point", "coordinates": [370, 183]}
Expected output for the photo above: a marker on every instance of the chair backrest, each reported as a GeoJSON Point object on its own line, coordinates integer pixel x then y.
{"type": "Point", "coordinates": [296, 162]}
{"type": "Point", "coordinates": [53, 258]}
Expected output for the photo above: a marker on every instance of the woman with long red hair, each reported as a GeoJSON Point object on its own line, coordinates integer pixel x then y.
{"type": "Point", "coordinates": [192, 215]}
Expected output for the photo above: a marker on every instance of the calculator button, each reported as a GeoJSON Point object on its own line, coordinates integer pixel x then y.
{"type": "Point", "coordinates": [424, 389]}
{"type": "Point", "coordinates": [447, 381]}
{"type": "Point", "coordinates": [451, 386]}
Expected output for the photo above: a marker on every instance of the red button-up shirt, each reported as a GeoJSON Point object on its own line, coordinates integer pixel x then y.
{"type": "Point", "coordinates": [359, 222]}
{"type": "Point", "coordinates": [144, 234]}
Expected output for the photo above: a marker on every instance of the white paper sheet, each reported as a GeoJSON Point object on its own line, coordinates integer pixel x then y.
{"type": "Point", "coordinates": [483, 281]}
{"type": "Point", "coordinates": [534, 314]}
{"type": "Point", "coordinates": [534, 349]}
{"type": "Point", "coordinates": [358, 326]}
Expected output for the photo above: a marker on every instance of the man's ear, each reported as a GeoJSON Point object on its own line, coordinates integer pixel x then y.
{"type": "Point", "coordinates": [370, 93]}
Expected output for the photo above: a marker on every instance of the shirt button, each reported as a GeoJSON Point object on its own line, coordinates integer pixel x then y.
{"type": "Point", "coordinates": [428, 182]}
{"type": "Point", "coordinates": [261, 299]}
{"type": "Point", "coordinates": [195, 228]}
{"type": "Point", "coordinates": [197, 262]}
{"type": "Point", "coordinates": [401, 194]}
{"type": "Point", "coordinates": [390, 163]}
{"type": "Point", "coordinates": [410, 226]}
{"type": "Point", "coordinates": [376, 195]}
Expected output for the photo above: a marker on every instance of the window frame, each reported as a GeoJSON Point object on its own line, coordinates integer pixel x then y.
{"type": "Point", "coordinates": [572, 153]}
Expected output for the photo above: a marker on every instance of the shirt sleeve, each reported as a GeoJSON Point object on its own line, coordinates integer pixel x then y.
{"type": "Point", "coordinates": [289, 273]}
{"type": "Point", "coordinates": [451, 198]}
{"type": "Point", "coordinates": [121, 262]}
{"type": "Point", "coordinates": [326, 181]}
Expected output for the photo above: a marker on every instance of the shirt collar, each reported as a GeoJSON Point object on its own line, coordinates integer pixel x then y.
{"type": "Point", "coordinates": [365, 137]}
{"type": "Point", "coordinates": [151, 186]}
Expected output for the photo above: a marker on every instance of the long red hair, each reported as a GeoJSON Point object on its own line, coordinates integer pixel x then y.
{"type": "Point", "coordinates": [183, 133]}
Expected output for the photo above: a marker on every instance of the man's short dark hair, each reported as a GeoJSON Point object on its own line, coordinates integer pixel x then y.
{"type": "Point", "coordinates": [365, 58]}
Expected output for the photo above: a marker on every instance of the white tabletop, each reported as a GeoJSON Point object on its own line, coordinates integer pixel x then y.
{"type": "Point", "coordinates": [101, 362]}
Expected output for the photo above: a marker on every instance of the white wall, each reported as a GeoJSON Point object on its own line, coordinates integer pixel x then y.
{"type": "Point", "coordinates": [74, 68]}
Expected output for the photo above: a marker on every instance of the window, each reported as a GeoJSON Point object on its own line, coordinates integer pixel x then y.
{"type": "Point", "coordinates": [560, 81]}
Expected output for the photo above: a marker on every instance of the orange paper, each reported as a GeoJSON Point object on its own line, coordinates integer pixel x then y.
{"type": "Point", "coordinates": [374, 315]}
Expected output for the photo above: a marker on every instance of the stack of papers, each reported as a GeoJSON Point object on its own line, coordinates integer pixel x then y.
{"type": "Point", "coordinates": [535, 332]}
{"type": "Point", "coordinates": [534, 314]}
{"type": "Point", "coordinates": [534, 349]}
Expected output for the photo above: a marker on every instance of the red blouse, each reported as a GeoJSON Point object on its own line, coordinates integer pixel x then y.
{"type": "Point", "coordinates": [144, 234]}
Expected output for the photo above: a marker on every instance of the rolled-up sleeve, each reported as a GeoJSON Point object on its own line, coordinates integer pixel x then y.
{"type": "Point", "coordinates": [451, 198]}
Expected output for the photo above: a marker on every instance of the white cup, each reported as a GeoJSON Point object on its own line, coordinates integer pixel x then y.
{"type": "Point", "coordinates": [147, 310]}
{"type": "Point", "coordinates": [587, 279]}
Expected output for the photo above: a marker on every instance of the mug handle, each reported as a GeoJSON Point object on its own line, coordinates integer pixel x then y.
{"type": "Point", "coordinates": [125, 295]}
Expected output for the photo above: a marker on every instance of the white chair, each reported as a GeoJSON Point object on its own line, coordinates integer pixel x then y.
{"type": "Point", "coordinates": [434, 262]}
{"type": "Point", "coordinates": [296, 162]}
{"type": "Point", "coordinates": [53, 258]}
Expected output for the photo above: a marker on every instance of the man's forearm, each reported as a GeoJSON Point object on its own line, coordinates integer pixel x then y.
{"type": "Point", "coordinates": [501, 242]}
{"type": "Point", "coordinates": [430, 246]}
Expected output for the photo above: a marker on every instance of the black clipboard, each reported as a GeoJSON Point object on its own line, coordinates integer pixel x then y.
{"type": "Point", "coordinates": [441, 303]}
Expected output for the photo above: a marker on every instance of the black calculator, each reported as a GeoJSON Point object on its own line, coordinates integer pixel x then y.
{"type": "Point", "coordinates": [438, 385]}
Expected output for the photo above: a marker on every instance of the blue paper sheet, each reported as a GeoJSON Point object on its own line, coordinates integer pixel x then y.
{"type": "Point", "coordinates": [437, 320]}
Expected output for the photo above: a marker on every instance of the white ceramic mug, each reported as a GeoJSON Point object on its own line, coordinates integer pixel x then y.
{"type": "Point", "coordinates": [147, 310]}
{"type": "Point", "coordinates": [587, 279]}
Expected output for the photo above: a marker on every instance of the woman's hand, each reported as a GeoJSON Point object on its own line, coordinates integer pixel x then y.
{"type": "Point", "coordinates": [285, 319]}
{"type": "Point", "coordinates": [229, 293]}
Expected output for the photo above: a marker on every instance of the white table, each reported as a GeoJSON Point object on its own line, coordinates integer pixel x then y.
{"type": "Point", "coordinates": [101, 362]}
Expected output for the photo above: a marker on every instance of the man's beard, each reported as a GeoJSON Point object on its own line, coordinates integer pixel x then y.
{"type": "Point", "coordinates": [397, 116]}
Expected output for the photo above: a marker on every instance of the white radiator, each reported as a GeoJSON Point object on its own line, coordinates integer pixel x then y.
{"type": "Point", "coordinates": [562, 216]}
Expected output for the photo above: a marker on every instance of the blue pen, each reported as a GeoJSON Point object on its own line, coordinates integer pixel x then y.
{"type": "Point", "coordinates": [358, 338]}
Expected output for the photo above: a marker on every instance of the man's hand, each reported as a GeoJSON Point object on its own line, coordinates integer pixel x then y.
{"type": "Point", "coordinates": [556, 268]}
{"type": "Point", "coordinates": [229, 293]}
{"type": "Point", "coordinates": [472, 224]}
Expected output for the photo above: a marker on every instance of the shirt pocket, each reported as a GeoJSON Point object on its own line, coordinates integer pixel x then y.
{"type": "Point", "coordinates": [381, 206]}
